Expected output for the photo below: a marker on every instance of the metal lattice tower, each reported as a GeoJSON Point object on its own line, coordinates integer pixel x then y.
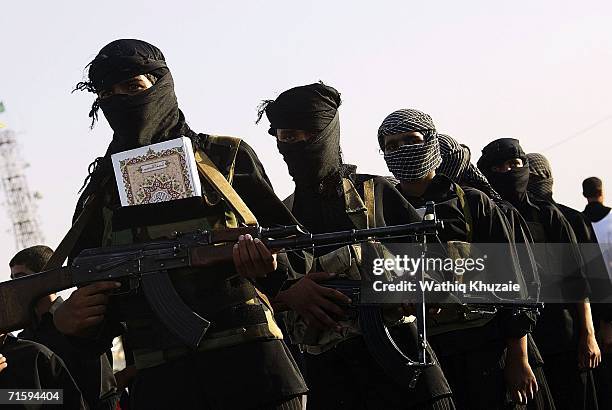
{"type": "Point", "coordinates": [20, 202]}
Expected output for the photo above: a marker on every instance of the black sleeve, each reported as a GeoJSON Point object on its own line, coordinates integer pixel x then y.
{"type": "Point", "coordinates": [53, 374]}
{"type": "Point", "coordinates": [92, 373]}
{"type": "Point", "coordinates": [492, 227]}
{"type": "Point", "coordinates": [574, 284]}
{"type": "Point", "coordinates": [523, 241]}
{"type": "Point", "coordinates": [391, 206]}
{"type": "Point", "coordinates": [255, 189]}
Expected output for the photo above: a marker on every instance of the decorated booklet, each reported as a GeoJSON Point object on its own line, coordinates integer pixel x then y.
{"type": "Point", "coordinates": [160, 172]}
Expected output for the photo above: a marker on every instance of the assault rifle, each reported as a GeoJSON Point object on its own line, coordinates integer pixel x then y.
{"type": "Point", "coordinates": [145, 267]}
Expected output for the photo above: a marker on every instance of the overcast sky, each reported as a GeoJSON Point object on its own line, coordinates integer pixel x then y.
{"type": "Point", "coordinates": [535, 70]}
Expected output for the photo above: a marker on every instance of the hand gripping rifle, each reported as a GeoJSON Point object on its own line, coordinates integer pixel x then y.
{"type": "Point", "coordinates": [146, 267]}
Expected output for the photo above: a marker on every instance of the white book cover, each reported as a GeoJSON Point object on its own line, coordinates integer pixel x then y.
{"type": "Point", "coordinates": [160, 172]}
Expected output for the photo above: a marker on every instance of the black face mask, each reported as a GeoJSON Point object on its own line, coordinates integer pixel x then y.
{"type": "Point", "coordinates": [309, 162]}
{"type": "Point", "coordinates": [145, 118]}
{"type": "Point", "coordinates": [511, 185]}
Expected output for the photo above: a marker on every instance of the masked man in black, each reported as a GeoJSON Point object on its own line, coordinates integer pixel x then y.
{"type": "Point", "coordinates": [541, 187]}
{"type": "Point", "coordinates": [457, 166]}
{"type": "Point", "coordinates": [565, 333]}
{"type": "Point", "coordinates": [241, 363]}
{"type": "Point", "coordinates": [331, 196]}
{"type": "Point", "coordinates": [470, 351]}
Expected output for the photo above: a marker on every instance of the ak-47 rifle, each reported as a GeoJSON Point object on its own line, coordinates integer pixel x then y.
{"type": "Point", "coordinates": [145, 267]}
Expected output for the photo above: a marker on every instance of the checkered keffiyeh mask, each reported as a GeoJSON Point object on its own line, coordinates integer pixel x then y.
{"type": "Point", "coordinates": [411, 162]}
{"type": "Point", "coordinates": [457, 166]}
{"type": "Point", "coordinates": [540, 177]}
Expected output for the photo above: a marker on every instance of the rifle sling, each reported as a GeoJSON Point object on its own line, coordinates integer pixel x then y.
{"type": "Point", "coordinates": [74, 233]}
{"type": "Point", "coordinates": [212, 175]}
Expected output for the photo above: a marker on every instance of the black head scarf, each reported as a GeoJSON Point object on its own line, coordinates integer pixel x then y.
{"type": "Point", "coordinates": [411, 162]}
{"type": "Point", "coordinates": [312, 108]}
{"type": "Point", "coordinates": [512, 185]}
{"type": "Point", "coordinates": [540, 177]}
{"type": "Point", "coordinates": [137, 120]}
{"type": "Point", "coordinates": [457, 166]}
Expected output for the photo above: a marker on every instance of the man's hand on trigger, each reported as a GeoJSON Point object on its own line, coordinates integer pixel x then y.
{"type": "Point", "coordinates": [84, 309]}
{"type": "Point", "coordinates": [317, 304]}
{"type": "Point", "coordinates": [252, 258]}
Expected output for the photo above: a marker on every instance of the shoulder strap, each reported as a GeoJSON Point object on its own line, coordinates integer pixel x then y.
{"type": "Point", "coordinates": [289, 201]}
{"type": "Point", "coordinates": [74, 233]}
{"type": "Point", "coordinates": [212, 175]}
{"type": "Point", "coordinates": [224, 148]}
{"type": "Point", "coordinates": [469, 222]}
{"type": "Point", "coordinates": [355, 208]}
{"type": "Point", "coordinates": [370, 203]}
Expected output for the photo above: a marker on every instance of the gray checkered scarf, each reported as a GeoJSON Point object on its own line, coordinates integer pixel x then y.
{"type": "Point", "coordinates": [411, 162]}
{"type": "Point", "coordinates": [457, 166]}
{"type": "Point", "coordinates": [540, 177]}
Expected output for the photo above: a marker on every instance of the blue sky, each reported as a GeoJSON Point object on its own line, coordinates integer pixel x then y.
{"type": "Point", "coordinates": [536, 71]}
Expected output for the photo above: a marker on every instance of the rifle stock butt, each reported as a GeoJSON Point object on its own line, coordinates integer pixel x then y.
{"type": "Point", "coordinates": [18, 296]}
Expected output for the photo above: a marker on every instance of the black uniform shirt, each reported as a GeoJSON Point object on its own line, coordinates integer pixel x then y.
{"type": "Point", "coordinates": [33, 366]}
{"type": "Point", "coordinates": [489, 226]}
{"type": "Point", "coordinates": [94, 375]}
{"type": "Point", "coordinates": [556, 330]}
{"type": "Point", "coordinates": [264, 370]}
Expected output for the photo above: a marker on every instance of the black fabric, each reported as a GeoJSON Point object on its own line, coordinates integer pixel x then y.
{"type": "Point", "coordinates": [521, 236]}
{"type": "Point", "coordinates": [472, 358]}
{"type": "Point", "coordinates": [122, 59]}
{"type": "Point", "coordinates": [33, 366]}
{"type": "Point", "coordinates": [603, 381]}
{"type": "Point", "coordinates": [489, 226]}
{"type": "Point", "coordinates": [347, 377]}
{"type": "Point", "coordinates": [247, 376]}
{"type": "Point", "coordinates": [94, 376]}
{"type": "Point", "coordinates": [596, 211]}
{"type": "Point", "coordinates": [510, 184]}
{"type": "Point", "coordinates": [541, 187]}
{"type": "Point", "coordinates": [145, 118]}
{"type": "Point", "coordinates": [309, 108]}
{"type": "Point", "coordinates": [309, 162]}
{"type": "Point", "coordinates": [326, 212]}
{"type": "Point", "coordinates": [594, 264]}
{"type": "Point", "coordinates": [500, 150]}
{"type": "Point", "coordinates": [312, 108]}
{"type": "Point", "coordinates": [572, 389]}
{"type": "Point", "coordinates": [476, 376]}
{"type": "Point", "coordinates": [274, 378]}
{"type": "Point", "coordinates": [457, 166]}
{"type": "Point", "coordinates": [556, 331]}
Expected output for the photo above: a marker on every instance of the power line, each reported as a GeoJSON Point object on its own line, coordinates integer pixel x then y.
{"type": "Point", "coordinates": [578, 133]}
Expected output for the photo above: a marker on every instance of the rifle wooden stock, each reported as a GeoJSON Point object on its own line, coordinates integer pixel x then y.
{"type": "Point", "coordinates": [19, 295]}
{"type": "Point", "coordinates": [232, 234]}
{"type": "Point", "coordinates": [204, 256]}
